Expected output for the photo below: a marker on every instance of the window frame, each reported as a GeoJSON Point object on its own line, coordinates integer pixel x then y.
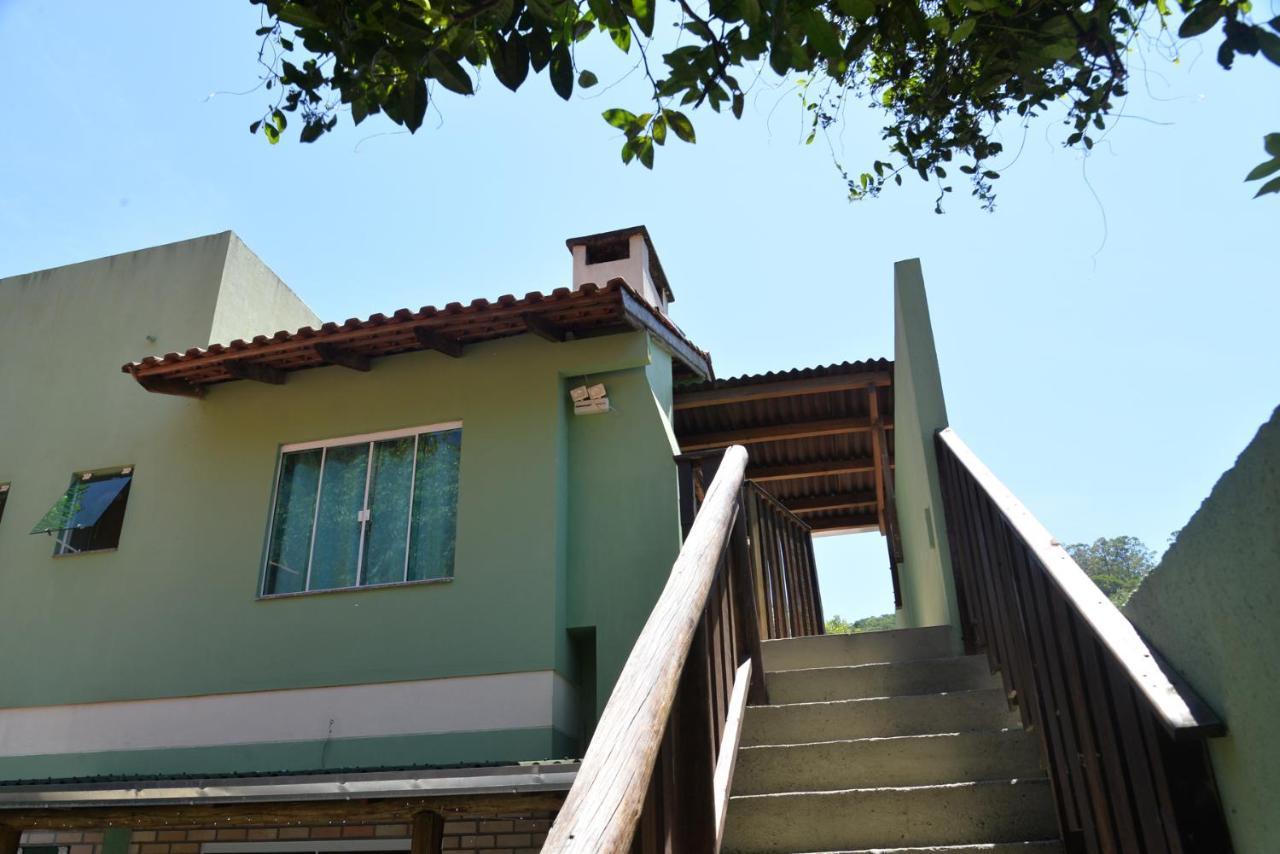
{"type": "Point", "coordinates": [61, 546]}
{"type": "Point", "coordinates": [321, 444]}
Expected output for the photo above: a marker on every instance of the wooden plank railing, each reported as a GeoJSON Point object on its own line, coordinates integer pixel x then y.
{"type": "Point", "coordinates": [1124, 736]}
{"type": "Point", "coordinates": [656, 775]}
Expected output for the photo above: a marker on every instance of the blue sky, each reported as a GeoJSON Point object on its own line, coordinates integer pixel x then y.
{"type": "Point", "coordinates": [1107, 336]}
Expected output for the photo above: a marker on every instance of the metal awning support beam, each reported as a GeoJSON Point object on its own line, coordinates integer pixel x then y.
{"type": "Point", "coordinates": [824, 468]}
{"type": "Point", "coordinates": [780, 432]}
{"type": "Point", "coordinates": [813, 504]}
{"type": "Point", "coordinates": [785, 388]}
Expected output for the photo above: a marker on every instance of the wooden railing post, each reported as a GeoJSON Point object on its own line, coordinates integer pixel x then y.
{"type": "Point", "coordinates": [9, 837]}
{"type": "Point", "coordinates": [745, 593]}
{"type": "Point", "coordinates": [427, 833]}
{"type": "Point", "coordinates": [695, 753]}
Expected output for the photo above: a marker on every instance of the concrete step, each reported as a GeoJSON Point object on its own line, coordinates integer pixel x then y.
{"type": "Point", "coordinates": [1041, 846]}
{"type": "Point", "coordinates": [839, 720]}
{"type": "Point", "coordinates": [854, 682]}
{"type": "Point", "coordinates": [920, 816]}
{"type": "Point", "coordinates": [914, 760]}
{"type": "Point", "coordinates": [861, 648]}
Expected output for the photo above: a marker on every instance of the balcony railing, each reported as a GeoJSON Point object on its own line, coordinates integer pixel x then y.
{"type": "Point", "coordinates": [656, 775]}
{"type": "Point", "coordinates": [1124, 735]}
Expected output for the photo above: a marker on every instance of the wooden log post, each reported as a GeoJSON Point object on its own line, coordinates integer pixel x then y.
{"type": "Point", "coordinates": [9, 837]}
{"type": "Point", "coordinates": [428, 833]}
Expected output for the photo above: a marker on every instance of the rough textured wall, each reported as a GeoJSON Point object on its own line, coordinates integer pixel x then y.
{"type": "Point", "coordinates": [1212, 608]}
{"type": "Point", "coordinates": [928, 588]}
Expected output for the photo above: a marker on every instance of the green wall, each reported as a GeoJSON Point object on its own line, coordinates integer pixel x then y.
{"type": "Point", "coordinates": [562, 520]}
{"type": "Point", "coordinates": [919, 410]}
{"type": "Point", "coordinates": [1212, 608]}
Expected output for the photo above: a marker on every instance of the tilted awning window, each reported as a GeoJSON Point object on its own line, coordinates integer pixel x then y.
{"type": "Point", "coordinates": [84, 502]}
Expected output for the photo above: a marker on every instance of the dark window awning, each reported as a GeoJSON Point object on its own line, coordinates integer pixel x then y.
{"type": "Point", "coordinates": [84, 502]}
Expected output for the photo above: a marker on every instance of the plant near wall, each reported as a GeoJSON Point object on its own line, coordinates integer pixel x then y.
{"type": "Point", "coordinates": [945, 74]}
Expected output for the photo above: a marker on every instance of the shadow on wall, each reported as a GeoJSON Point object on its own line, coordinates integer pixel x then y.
{"type": "Point", "coordinates": [1212, 608]}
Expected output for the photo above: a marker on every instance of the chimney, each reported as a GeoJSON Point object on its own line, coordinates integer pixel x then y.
{"type": "Point", "coordinates": [628, 254]}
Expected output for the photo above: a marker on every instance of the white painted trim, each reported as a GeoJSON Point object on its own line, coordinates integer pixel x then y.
{"type": "Point", "coordinates": [442, 427]}
{"type": "Point", "coordinates": [458, 704]}
{"type": "Point", "coordinates": [307, 847]}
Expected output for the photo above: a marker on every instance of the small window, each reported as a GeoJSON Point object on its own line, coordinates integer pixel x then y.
{"type": "Point", "coordinates": [380, 510]}
{"type": "Point", "coordinates": [90, 514]}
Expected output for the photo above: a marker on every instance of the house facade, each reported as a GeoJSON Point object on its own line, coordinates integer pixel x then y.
{"type": "Point", "coordinates": [429, 560]}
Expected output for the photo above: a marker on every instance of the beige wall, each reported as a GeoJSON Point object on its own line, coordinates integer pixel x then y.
{"type": "Point", "coordinates": [1212, 608]}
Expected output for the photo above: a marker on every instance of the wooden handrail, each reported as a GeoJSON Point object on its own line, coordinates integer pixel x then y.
{"type": "Point", "coordinates": [603, 807]}
{"type": "Point", "coordinates": [1177, 706]}
{"type": "Point", "coordinates": [1124, 737]}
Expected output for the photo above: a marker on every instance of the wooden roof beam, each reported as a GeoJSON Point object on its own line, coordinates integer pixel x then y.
{"type": "Point", "coordinates": [331, 354]}
{"type": "Point", "coordinates": [844, 523]}
{"type": "Point", "coordinates": [823, 468]}
{"type": "Point", "coordinates": [843, 501]}
{"type": "Point", "coordinates": [545, 327]}
{"type": "Point", "coordinates": [433, 340]}
{"type": "Point", "coordinates": [886, 501]}
{"type": "Point", "coordinates": [766, 390]}
{"type": "Point", "coordinates": [243, 369]}
{"type": "Point", "coordinates": [777, 433]}
{"type": "Point", "coordinates": [181, 388]}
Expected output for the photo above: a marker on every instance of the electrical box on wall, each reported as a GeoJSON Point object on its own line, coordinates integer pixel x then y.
{"type": "Point", "coordinates": [589, 400]}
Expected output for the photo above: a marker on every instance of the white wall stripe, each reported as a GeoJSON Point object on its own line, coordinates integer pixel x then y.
{"type": "Point", "coordinates": [461, 704]}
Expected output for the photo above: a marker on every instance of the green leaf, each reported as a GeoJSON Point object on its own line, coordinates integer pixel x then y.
{"type": "Point", "coordinates": [510, 60]}
{"type": "Point", "coordinates": [272, 134]}
{"type": "Point", "coordinates": [311, 132]}
{"type": "Point", "coordinates": [562, 71]}
{"type": "Point", "coordinates": [660, 130]}
{"type": "Point", "coordinates": [413, 103]}
{"type": "Point", "coordinates": [680, 123]}
{"type": "Point", "coordinates": [621, 119]}
{"type": "Point", "coordinates": [299, 16]}
{"type": "Point", "coordinates": [739, 104]}
{"type": "Point", "coordinates": [278, 119]}
{"type": "Point", "coordinates": [621, 37]}
{"type": "Point", "coordinates": [1269, 44]}
{"type": "Point", "coordinates": [824, 38]}
{"type": "Point", "coordinates": [586, 79]}
{"type": "Point", "coordinates": [253, 127]}
{"type": "Point", "coordinates": [1201, 18]}
{"type": "Point", "coordinates": [1271, 142]}
{"type": "Point", "coordinates": [646, 152]}
{"type": "Point", "coordinates": [644, 10]}
{"type": "Point", "coordinates": [750, 10]}
{"type": "Point", "coordinates": [448, 72]}
{"type": "Point", "coordinates": [1272, 186]}
{"type": "Point", "coordinates": [1061, 51]}
{"type": "Point", "coordinates": [963, 30]}
{"type": "Point", "coordinates": [860, 9]}
{"type": "Point", "coordinates": [1262, 170]}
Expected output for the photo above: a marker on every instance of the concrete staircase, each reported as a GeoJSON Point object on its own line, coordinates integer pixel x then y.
{"type": "Point", "coordinates": [886, 742]}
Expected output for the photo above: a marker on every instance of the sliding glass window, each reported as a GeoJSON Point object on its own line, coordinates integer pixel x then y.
{"type": "Point", "coordinates": [364, 511]}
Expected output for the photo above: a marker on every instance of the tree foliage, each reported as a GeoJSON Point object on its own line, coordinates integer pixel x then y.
{"type": "Point", "coordinates": [1116, 564]}
{"type": "Point", "coordinates": [838, 625]}
{"type": "Point", "coordinates": [946, 73]}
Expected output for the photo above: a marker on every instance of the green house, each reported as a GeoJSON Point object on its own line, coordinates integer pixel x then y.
{"type": "Point", "coordinates": [522, 572]}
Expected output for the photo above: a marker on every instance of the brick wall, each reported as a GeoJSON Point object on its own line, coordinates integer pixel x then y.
{"type": "Point", "coordinates": [507, 834]}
